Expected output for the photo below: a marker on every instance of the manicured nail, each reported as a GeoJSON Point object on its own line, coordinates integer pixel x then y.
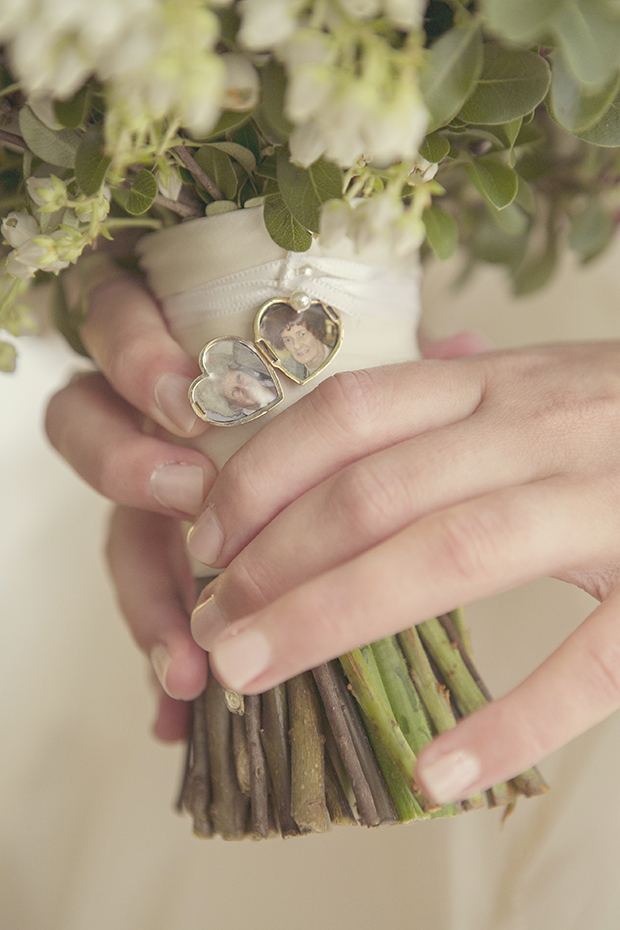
{"type": "Point", "coordinates": [180, 487]}
{"type": "Point", "coordinates": [206, 538]}
{"type": "Point", "coordinates": [207, 622]}
{"type": "Point", "coordinates": [172, 401]}
{"type": "Point", "coordinates": [449, 776]}
{"type": "Point", "coordinates": [160, 660]}
{"type": "Point", "coordinates": [242, 658]}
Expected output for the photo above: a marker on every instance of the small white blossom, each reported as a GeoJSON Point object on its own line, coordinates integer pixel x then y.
{"type": "Point", "coordinates": [241, 83]}
{"type": "Point", "coordinates": [267, 23]}
{"type": "Point", "coordinates": [17, 228]}
{"type": "Point", "coordinates": [49, 194]}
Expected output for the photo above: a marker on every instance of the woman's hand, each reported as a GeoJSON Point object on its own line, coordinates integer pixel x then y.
{"type": "Point", "coordinates": [391, 495]}
{"type": "Point", "coordinates": [156, 593]}
{"type": "Point", "coordinates": [115, 428]}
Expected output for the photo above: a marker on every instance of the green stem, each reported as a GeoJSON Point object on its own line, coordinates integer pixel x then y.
{"type": "Point", "coordinates": [433, 694]}
{"type": "Point", "coordinates": [380, 717]}
{"type": "Point", "coordinates": [401, 693]}
{"type": "Point", "coordinates": [122, 223]}
{"type": "Point", "coordinates": [448, 659]}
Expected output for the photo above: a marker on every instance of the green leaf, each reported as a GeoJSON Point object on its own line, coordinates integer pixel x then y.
{"type": "Point", "coordinates": [520, 22]}
{"type": "Point", "coordinates": [434, 148]}
{"type": "Point", "coordinates": [588, 33]}
{"type": "Point", "coordinates": [220, 206]}
{"type": "Point", "coordinates": [240, 153]}
{"type": "Point", "coordinates": [305, 190]}
{"type": "Point", "coordinates": [512, 220]}
{"type": "Point", "coordinates": [442, 231]}
{"type": "Point", "coordinates": [455, 64]}
{"type": "Point", "coordinates": [535, 271]}
{"type": "Point", "coordinates": [230, 121]}
{"type": "Point", "coordinates": [283, 227]}
{"type": "Point", "coordinates": [56, 147]}
{"type": "Point", "coordinates": [513, 82]}
{"type": "Point", "coordinates": [575, 105]}
{"type": "Point", "coordinates": [142, 194]}
{"type": "Point", "coordinates": [606, 131]}
{"type": "Point", "coordinates": [273, 87]}
{"type": "Point", "coordinates": [72, 113]}
{"type": "Point", "coordinates": [8, 357]}
{"type": "Point", "coordinates": [91, 163]}
{"type": "Point", "coordinates": [495, 180]}
{"type": "Point", "coordinates": [218, 166]}
{"type": "Point", "coordinates": [590, 231]}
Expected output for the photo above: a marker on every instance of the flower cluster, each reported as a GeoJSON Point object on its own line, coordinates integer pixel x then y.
{"type": "Point", "coordinates": [336, 114]}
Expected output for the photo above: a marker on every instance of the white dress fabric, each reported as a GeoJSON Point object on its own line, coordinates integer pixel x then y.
{"type": "Point", "coordinates": [88, 838]}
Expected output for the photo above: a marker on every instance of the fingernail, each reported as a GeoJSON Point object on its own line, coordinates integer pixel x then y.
{"type": "Point", "coordinates": [172, 401]}
{"type": "Point", "coordinates": [242, 658]}
{"type": "Point", "coordinates": [207, 622]}
{"type": "Point", "coordinates": [206, 538]}
{"type": "Point", "coordinates": [160, 660]}
{"type": "Point", "coordinates": [448, 777]}
{"type": "Point", "coordinates": [180, 487]}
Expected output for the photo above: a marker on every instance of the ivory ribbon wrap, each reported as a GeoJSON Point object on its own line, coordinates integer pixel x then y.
{"type": "Point", "coordinates": [212, 275]}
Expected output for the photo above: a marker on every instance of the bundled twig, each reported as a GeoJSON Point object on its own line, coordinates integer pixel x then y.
{"type": "Point", "coordinates": [338, 745]}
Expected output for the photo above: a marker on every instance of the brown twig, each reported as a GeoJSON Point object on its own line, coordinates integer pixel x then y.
{"type": "Point", "coordinates": [196, 171]}
{"type": "Point", "coordinates": [274, 736]}
{"type": "Point", "coordinates": [308, 805]}
{"type": "Point", "coordinates": [328, 688]}
{"type": "Point", "coordinates": [259, 796]}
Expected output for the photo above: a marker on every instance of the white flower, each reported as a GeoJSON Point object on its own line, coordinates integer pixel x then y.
{"type": "Point", "coordinates": [361, 9]}
{"type": "Point", "coordinates": [306, 144]}
{"type": "Point", "coordinates": [266, 23]}
{"type": "Point", "coordinates": [334, 222]}
{"type": "Point", "coordinates": [241, 83]}
{"type": "Point", "coordinates": [406, 14]}
{"type": "Point", "coordinates": [49, 194]}
{"type": "Point", "coordinates": [17, 228]}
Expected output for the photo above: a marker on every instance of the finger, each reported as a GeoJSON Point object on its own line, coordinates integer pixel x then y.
{"type": "Point", "coordinates": [452, 557]}
{"type": "Point", "coordinates": [127, 337]}
{"type": "Point", "coordinates": [172, 718]}
{"type": "Point", "coordinates": [154, 585]}
{"type": "Point", "coordinates": [575, 688]}
{"type": "Point", "coordinates": [359, 507]}
{"type": "Point", "coordinates": [458, 346]}
{"type": "Point", "coordinates": [100, 436]}
{"type": "Point", "coordinates": [344, 418]}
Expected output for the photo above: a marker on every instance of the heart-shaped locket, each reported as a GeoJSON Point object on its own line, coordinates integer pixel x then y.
{"type": "Point", "coordinates": [299, 338]}
{"type": "Point", "coordinates": [238, 383]}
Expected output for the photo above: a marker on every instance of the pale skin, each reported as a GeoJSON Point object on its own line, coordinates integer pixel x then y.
{"type": "Point", "coordinates": [412, 489]}
{"type": "Point", "coordinates": [304, 346]}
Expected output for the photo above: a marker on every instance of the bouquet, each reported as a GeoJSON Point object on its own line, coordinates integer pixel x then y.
{"type": "Point", "coordinates": [395, 125]}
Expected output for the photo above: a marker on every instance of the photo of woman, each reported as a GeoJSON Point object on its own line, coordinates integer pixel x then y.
{"type": "Point", "coordinates": [302, 340]}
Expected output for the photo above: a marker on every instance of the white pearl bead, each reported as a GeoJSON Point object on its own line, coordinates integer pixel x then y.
{"type": "Point", "coordinates": [300, 301]}
{"type": "Point", "coordinates": [305, 271]}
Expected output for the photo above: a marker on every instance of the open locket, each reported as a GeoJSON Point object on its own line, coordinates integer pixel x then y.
{"type": "Point", "coordinates": [299, 337]}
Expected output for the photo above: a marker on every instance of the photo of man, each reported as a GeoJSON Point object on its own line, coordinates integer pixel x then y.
{"type": "Point", "coordinates": [236, 385]}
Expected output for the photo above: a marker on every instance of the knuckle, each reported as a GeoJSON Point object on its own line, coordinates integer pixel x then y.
{"type": "Point", "coordinates": [246, 586]}
{"type": "Point", "coordinates": [467, 541]}
{"type": "Point", "coordinates": [366, 498]}
{"type": "Point", "coordinates": [349, 401]}
{"type": "Point", "coordinates": [605, 666]}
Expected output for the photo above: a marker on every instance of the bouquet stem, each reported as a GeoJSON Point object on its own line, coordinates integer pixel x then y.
{"type": "Point", "coordinates": [338, 744]}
